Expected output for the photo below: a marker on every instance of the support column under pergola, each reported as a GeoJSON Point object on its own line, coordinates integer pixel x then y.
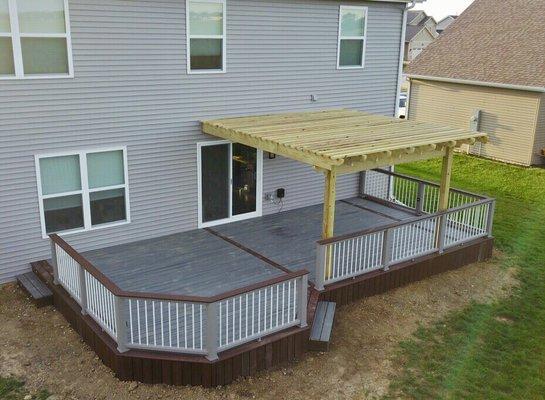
{"type": "Point", "coordinates": [446, 172]}
{"type": "Point", "coordinates": [330, 188]}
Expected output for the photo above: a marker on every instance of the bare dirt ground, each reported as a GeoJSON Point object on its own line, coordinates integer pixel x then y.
{"type": "Point", "coordinates": [39, 347]}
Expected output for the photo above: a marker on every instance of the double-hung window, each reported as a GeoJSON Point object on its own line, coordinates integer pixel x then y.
{"type": "Point", "coordinates": [82, 190]}
{"type": "Point", "coordinates": [352, 37]}
{"type": "Point", "coordinates": [35, 39]}
{"type": "Point", "coordinates": [205, 22]}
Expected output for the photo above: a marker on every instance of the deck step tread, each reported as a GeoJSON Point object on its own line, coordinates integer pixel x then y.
{"type": "Point", "coordinates": [320, 333]}
{"type": "Point", "coordinates": [37, 290]}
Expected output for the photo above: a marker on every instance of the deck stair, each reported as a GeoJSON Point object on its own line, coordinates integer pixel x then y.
{"type": "Point", "coordinates": [320, 333]}
{"type": "Point", "coordinates": [35, 288]}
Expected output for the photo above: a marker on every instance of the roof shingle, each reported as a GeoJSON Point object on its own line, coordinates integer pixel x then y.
{"type": "Point", "coordinates": [490, 43]}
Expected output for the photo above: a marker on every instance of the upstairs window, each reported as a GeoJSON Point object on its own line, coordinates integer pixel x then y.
{"type": "Point", "coordinates": [205, 35]}
{"type": "Point", "coordinates": [352, 37]}
{"type": "Point", "coordinates": [83, 190]}
{"type": "Point", "coordinates": [34, 39]}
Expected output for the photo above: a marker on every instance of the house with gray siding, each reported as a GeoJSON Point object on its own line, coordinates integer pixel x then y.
{"type": "Point", "coordinates": [124, 81]}
{"type": "Point", "coordinates": [196, 183]}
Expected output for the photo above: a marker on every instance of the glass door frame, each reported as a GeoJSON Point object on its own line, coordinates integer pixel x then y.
{"type": "Point", "coordinates": [259, 186]}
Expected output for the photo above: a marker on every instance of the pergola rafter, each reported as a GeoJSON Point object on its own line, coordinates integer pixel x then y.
{"type": "Point", "coordinates": [345, 141]}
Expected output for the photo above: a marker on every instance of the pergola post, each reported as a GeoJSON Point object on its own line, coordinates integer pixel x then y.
{"type": "Point", "coordinates": [444, 191]}
{"type": "Point", "coordinates": [446, 173]}
{"type": "Point", "coordinates": [328, 225]}
{"type": "Point", "coordinates": [329, 203]}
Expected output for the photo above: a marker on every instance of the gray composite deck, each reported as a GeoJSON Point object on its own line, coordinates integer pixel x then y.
{"type": "Point", "coordinates": [289, 238]}
{"type": "Point", "coordinates": [194, 263]}
{"type": "Point", "coordinates": [200, 263]}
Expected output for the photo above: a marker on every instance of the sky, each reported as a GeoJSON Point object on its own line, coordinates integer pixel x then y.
{"type": "Point", "coordinates": [441, 8]}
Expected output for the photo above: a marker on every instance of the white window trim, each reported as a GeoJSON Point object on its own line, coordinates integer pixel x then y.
{"type": "Point", "coordinates": [364, 37]}
{"type": "Point", "coordinates": [84, 191]}
{"type": "Point", "coordinates": [259, 188]}
{"type": "Point", "coordinates": [16, 36]}
{"type": "Point", "coordinates": [223, 42]}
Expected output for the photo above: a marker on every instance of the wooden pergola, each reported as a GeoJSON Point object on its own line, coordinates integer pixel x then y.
{"type": "Point", "coordinates": [346, 141]}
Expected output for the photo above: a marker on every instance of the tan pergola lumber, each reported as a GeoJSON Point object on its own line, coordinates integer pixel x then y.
{"type": "Point", "coordinates": [343, 141]}
{"type": "Point", "coordinates": [446, 172]}
{"type": "Point", "coordinates": [333, 138]}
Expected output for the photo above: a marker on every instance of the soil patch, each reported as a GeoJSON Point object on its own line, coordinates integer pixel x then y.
{"type": "Point", "coordinates": [39, 347]}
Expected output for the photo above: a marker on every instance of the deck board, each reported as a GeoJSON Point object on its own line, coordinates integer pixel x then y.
{"type": "Point", "coordinates": [200, 263]}
{"type": "Point", "coordinates": [289, 238]}
{"type": "Point", "coordinates": [189, 263]}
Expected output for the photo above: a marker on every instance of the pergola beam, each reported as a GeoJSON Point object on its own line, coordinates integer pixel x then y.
{"type": "Point", "coordinates": [272, 147]}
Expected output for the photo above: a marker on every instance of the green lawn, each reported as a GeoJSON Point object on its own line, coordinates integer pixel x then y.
{"type": "Point", "coordinates": [488, 351]}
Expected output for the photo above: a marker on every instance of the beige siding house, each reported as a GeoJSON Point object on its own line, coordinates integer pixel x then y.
{"type": "Point", "coordinates": [509, 116]}
{"type": "Point", "coordinates": [472, 76]}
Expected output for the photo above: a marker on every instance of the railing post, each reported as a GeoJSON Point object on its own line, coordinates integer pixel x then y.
{"type": "Point", "coordinates": [441, 233]}
{"type": "Point", "coordinates": [420, 198]}
{"type": "Point", "coordinates": [391, 185]}
{"type": "Point", "coordinates": [362, 183]}
{"type": "Point", "coordinates": [319, 280]}
{"type": "Point", "coordinates": [212, 331]}
{"type": "Point", "coordinates": [387, 249]}
{"type": "Point", "coordinates": [490, 221]}
{"type": "Point", "coordinates": [82, 290]}
{"type": "Point", "coordinates": [120, 324]}
{"type": "Point", "coordinates": [302, 287]}
{"type": "Point", "coordinates": [55, 263]}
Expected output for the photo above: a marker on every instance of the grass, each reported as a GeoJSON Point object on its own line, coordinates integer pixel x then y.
{"type": "Point", "coordinates": [488, 351]}
{"type": "Point", "coordinates": [13, 389]}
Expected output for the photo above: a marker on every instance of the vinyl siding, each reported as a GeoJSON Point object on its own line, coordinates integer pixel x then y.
{"type": "Point", "coordinates": [508, 116]}
{"type": "Point", "coordinates": [539, 142]}
{"type": "Point", "coordinates": [131, 88]}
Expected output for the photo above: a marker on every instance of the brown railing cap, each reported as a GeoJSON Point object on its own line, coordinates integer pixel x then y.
{"type": "Point", "coordinates": [396, 224]}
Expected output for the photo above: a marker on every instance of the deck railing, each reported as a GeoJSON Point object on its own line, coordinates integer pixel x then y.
{"type": "Point", "coordinates": [417, 195]}
{"type": "Point", "coordinates": [186, 324]}
{"type": "Point", "coordinates": [469, 217]}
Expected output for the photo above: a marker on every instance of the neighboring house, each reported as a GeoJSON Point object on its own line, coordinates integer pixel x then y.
{"type": "Point", "coordinates": [445, 23]}
{"type": "Point", "coordinates": [420, 33]}
{"type": "Point", "coordinates": [488, 66]}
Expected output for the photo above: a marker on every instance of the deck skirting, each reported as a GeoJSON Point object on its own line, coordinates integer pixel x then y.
{"type": "Point", "coordinates": [172, 368]}
{"type": "Point", "coordinates": [402, 274]}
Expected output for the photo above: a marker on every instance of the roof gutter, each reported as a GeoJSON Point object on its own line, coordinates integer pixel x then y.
{"type": "Point", "coordinates": [402, 54]}
{"type": "Point", "coordinates": [478, 83]}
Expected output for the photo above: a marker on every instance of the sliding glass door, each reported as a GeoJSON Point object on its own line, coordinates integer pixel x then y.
{"type": "Point", "coordinates": [229, 182]}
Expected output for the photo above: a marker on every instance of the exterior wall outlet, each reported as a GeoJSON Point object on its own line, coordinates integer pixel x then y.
{"type": "Point", "coordinates": [269, 196]}
{"type": "Point", "coordinates": [313, 98]}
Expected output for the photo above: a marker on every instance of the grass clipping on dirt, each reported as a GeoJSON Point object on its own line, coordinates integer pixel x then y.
{"type": "Point", "coordinates": [494, 350]}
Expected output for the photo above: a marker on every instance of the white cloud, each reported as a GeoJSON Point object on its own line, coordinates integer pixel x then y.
{"type": "Point", "coordinates": [441, 8]}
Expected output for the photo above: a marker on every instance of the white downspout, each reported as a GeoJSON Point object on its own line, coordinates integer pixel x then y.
{"type": "Point", "coordinates": [399, 80]}
{"type": "Point", "coordinates": [402, 55]}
